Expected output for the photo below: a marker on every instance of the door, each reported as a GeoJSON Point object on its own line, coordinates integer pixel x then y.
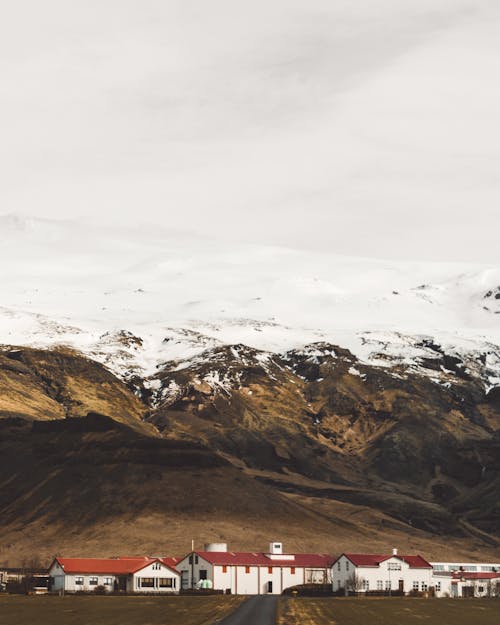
{"type": "Point", "coordinates": [270, 587]}
{"type": "Point", "coordinates": [401, 586]}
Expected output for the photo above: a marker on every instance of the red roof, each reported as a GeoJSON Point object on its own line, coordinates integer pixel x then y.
{"type": "Point", "coordinates": [169, 561]}
{"type": "Point", "coordinates": [474, 575]}
{"type": "Point", "coordinates": [240, 558]}
{"type": "Point", "coordinates": [368, 559]}
{"type": "Point", "coordinates": [113, 566]}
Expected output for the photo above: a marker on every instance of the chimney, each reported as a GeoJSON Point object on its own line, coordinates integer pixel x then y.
{"type": "Point", "coordinates": [394, 552]}
{"type": "Point", "coordinates": [275, 548]}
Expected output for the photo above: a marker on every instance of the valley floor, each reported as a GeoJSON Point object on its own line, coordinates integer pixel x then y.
{"type": "Point", "coordinates": [388, 611]}
{"type": "Point", "coordinates": [79, 610]}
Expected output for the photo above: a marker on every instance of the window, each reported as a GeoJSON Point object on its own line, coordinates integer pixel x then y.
{"type": "Point", "coordinates": [108, 581]}
{"type": "Point", "coordinates": [78, 581]}
{"type": "Point", "coordinates": [387, 584]}
{"type": "Point", "coordinates": [338, 584]}
{"type": "Point", "coordinates": [394, 566]}
{"type": "Point", "coordinates": [470, 568]}
{"type": "Point", "coordinates": [380, 584]}
{"type": "Point", "coordinates": [191, 559]}
{"type": "Point", "coordinates": [480, 588]}
{"type": "Point", "coordinates": [292, 570]}
{"type": "Point", "coordinates": [247, 569]}
{"type": "Point", "coordinates": [487, 568]}
{"type": "Point", "coordinates": [93, 581]}
{"type": "Point", "coordinates": [203, 573]}
{"type": "Point", "coordinates": [365, 584]}
{"type": "Point", "coordinates": [438, 567]}
{"type": "Point", "coordinates": [224, 568]}
{"type": "Point", "coordinates": [338, 565]}
{"type": "Point", "coordinates": [165, 582]}
{"type": "Point", "coordinates": [415, 586]}
{"type": "Point", "coordinates": [196, 559]}
{"type": "Point", "coordinates": [424, 586]}
{"type": "Point", "coordinates": [347, 565]}
{"type": "Point", "coordinates": [270, 570]}
{"type": "Point", "coordinates": [156, 566]}
{"type": "Point", "coordinates": [438, 586]}
{"type": "Point", "coordinates": [146, 582]}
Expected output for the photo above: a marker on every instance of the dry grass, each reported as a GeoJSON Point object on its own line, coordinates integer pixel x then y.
{"type": "Point", "coordinates": [386, 611]}
{"type": "Point", "coordinates": [78, 610]}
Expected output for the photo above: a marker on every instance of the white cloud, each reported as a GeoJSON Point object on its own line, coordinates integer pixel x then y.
{"type": "Point", "coordinates": [369, 125]}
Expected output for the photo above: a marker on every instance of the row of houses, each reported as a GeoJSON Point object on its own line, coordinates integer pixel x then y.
{"type": "Point", "coordinates": [407, 574]}
{"type": "Point", "coordinates": [272, 572]}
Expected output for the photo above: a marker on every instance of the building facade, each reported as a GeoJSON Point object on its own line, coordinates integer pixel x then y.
{"type": "Point", "coordinates": [252, 573]}
{"type": "Point", "coordinates": [464, 584]}
{"type": "Point", "coordinates": [131, 575]}
{"type": "Point", "coordinates": [381, 573]}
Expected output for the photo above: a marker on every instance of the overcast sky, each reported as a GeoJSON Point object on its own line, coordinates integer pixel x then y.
{"type": "Point", "coordinates": [367, 127]}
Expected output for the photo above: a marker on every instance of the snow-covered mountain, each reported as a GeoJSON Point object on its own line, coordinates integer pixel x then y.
{"type": "Point", "coordinates": [135, 299]}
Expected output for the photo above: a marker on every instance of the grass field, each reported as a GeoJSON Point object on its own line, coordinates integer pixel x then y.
{"type": "Point", "coordinates": [387, 611]}
{"type": "Point", "coordinates": [74, 610]}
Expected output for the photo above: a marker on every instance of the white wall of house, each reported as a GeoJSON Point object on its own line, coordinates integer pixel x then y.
{"type": "Point", "coordinates": [441, 585]}
{"type": "Point", "coordinates": [251, 580]}
{"type": "Point", "coordinates": [155, 577]}
{"type": "Point", "coordinates": [192, 568]}
{"type": "Point", "coordinates": [386, 576]}
{"type": "Point", "coordinates": [70, 582]}
{"type": "Point", "coordinates": [258, 580]}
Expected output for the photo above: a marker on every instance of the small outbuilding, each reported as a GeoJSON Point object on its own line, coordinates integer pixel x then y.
{"type": "Point", "coordinates": [479, 584]}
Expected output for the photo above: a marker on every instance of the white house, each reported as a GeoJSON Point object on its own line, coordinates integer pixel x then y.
{"type": "Point", "coordinates": [141, 575]}
{"type": "Point", "coordinates": [252, 573]}
{"type": "Point", "coordinates": [480, 584]}
{"type": "Point", "coordinates": [457, 579]}
{"type": "Point", "coordinates": [462, 583]}
{"type": "Point", "coordinates": [387, 573]}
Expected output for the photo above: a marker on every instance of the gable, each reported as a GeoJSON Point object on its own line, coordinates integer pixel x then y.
{"type": "Point", "coordinates": [154, 569]}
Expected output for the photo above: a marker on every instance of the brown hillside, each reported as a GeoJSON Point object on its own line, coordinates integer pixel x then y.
{"type": "Point", "coordinates": [312, 448]}
{"type": "Point", "coordinates": [56, 384]}
{"type": "Point", "coordinates": [425, 452]}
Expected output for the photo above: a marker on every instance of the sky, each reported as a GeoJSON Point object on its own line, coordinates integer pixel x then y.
{"type": "Point", "coordinates": [363, 127]}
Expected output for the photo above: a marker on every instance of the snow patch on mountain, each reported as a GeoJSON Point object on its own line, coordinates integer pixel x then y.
{"type": "Point", "coordinates": [136, 300]}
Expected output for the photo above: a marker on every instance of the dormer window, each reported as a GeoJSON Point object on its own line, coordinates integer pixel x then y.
{"type": "Point", "coordinates": [394, 566]}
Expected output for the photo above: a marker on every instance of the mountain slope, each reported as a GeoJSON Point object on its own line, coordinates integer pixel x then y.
{"type": "Point", "coordinates": [359, 398]}
{"type": "Point", "coordinates": [311, 446]}
{"type": "Point", "coordinates": [58, 384]}
{"type": "Point", "coordinates": [422, 447]}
